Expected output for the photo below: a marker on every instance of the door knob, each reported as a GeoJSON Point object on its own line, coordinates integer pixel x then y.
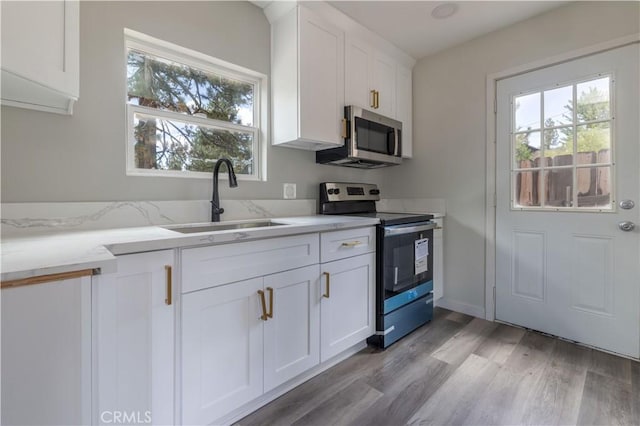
{"type": "Point", "coordinates": [627, 204]}
{"type": "Point", "coordinates": [626, 226]}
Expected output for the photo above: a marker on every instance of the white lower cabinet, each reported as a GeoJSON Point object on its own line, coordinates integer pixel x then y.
{"type": "Point", "coordinates": [46, 353]}
{"type": "Point", "coordinates": [292, 333]}
{"type": "Point", "coordinates": [348, 303]}
{"type": "Point", "coordinates": [234, 349]}
{"type": "Point", "coordinates": [222, 350]}
{"type": "Point", "coordinates": [133, 320]}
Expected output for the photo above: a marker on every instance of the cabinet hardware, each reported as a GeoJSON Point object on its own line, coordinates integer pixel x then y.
{"type": "Point", "coordinates": [377, 98]}
{"type": "Point", "coordinates": [373, 99]}
{"type": "Point", "coordinates": [169, 298]}
{"type": "Point", "coordinates": [438, 227]}
{"type": "Point", "coordinates": [344, 128]}
{"type": "Point", "coordinates": [263, 302]}
{"type": "Point", "coordinates": [351, 243]}
{"type": "Point", "coordinates": [270, 314]}
{"type": "Point", "coordinates": [327, 284]}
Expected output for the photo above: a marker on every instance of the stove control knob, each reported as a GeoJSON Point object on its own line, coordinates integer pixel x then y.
{"type": "Point", "coordinates": [330, 191]}
{"type": "Point", "coordinates": [336, 191]}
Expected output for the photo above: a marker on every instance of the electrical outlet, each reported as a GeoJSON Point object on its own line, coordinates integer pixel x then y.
{"type": "Point", "coordinates": [289, 191]}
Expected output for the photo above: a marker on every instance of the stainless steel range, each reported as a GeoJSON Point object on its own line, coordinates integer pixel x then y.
{"type": "Point", "coordinates": [404, 259]}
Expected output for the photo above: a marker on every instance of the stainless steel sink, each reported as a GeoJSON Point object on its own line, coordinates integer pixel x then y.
{"type": "Point", "coordinates": [192, 229]}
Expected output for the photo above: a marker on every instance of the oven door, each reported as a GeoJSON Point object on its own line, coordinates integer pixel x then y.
{"type": "Point", "coordinates": [406, 260]}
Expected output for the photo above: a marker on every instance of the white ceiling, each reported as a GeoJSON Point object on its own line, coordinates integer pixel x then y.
{"type": "Point", "coordinates": [410, 26]}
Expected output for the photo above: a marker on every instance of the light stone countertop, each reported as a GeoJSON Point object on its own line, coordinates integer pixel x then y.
{"type": "Point", "coordinates": [32, 256]}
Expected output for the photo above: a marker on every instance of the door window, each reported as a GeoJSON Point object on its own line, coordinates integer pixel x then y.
{"type": "Point", "coordinates": [562, 147]}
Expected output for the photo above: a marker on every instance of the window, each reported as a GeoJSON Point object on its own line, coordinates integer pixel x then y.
{"type": "Point", "coordinates": [562, 145]}
{"type": "Point", "coordinates": [186, 110]}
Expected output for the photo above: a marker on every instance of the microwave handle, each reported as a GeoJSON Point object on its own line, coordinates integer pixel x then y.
{"type": "Point", "coordinates": [396, 151]}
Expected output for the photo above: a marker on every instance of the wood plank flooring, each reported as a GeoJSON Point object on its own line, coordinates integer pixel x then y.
{"type": "Point", "coordinates": [460, 370]}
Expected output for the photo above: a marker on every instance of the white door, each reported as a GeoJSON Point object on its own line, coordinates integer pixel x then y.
{"type": "Point", "coordinates": [347, 303]}
{"type": "Point", "coordinates": [134, 323]}
{"type": "Point", "coordinates": [222, 353]}
{"type": "Point", "coordinates": [567, 155]}
{"type": "Point", "coordinates": [292, 332]}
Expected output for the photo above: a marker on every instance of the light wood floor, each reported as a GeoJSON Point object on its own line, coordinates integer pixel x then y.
{"type": "Point", "coordinates": [459, 370]}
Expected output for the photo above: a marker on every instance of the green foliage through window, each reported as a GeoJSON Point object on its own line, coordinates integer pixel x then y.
{"type": "Point", "coordinates": [185, 118]}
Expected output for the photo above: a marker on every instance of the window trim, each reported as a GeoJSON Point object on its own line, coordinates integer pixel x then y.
{"type": "Point", "coordinates": [204, 62]}
{"type": "Point", "coordinates": [612, 164]}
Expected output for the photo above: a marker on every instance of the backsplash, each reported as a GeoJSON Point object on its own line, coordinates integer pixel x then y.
{"type": "Point", "coordinates": [25, 219]}
{"type": "Point", "coordinates": [22, 219]}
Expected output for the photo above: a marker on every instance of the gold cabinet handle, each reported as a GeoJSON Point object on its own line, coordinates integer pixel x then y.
{"type": "Point", "coordinates": [263, 302]}
{"type": "Point", "coordinates": [376, 98]}
{"type": "Point", "coordinates": [373, 99]}
{"type": "Point", "coordinates": [351, 244]}
{"type": "Point", "coordinates": [169, 298]}
{"type": "Point", "coordinates": [327, 284]}
{"type": "Point", "coordinates": [344, 129]}
{"type": "Point", "coordinates": [270, 291]}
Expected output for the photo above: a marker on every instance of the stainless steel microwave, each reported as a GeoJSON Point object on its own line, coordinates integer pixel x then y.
{"type": "Point", "coordinates": [370, 141]}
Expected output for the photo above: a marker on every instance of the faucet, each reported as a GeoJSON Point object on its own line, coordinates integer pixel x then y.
{"type": "Point", "coordinates": [216, 210]}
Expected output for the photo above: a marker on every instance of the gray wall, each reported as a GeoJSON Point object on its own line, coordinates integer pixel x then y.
{"type": "Point", "coordinates": [49, 157]}
{"type": "Point", "coordinates": [449, 95]}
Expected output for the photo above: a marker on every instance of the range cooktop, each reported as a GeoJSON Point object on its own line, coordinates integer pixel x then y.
{"type": "Point", "coordinates": [359, 199]}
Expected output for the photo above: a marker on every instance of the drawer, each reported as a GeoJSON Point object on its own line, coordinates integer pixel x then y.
{"type": "Point", "coordinates": [204, 267]}
{"type": "Point", "coordinates": [336, 245]}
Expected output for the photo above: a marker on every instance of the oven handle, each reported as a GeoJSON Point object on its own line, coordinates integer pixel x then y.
{"type": "Point", "coordinates": [400, 230]}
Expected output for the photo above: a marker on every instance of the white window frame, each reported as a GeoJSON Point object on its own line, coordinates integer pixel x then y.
{"type": "Point", "coordinates": [182, 55]}
{"type": "Point", "coordinates": [574, 167]}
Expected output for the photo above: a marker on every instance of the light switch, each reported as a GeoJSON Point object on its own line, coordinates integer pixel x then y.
{"type": "Point", "coordinates": [289, 191]}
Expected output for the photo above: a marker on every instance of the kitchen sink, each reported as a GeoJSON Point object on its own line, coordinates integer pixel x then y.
{"type": "Point", "coordinates": [212, 227]}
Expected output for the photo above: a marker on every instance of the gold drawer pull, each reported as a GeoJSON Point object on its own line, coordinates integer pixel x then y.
{"type": "Point", "coordinates": [169, 298]}
{"type": "Point", "coordinates": [263, 302]}
{"type": "Point", "coordinates": [351, 244]}
{"type": "Point", "coordinates": [327, 284]}
{"type": "Point", "coordinates": [373, 99]}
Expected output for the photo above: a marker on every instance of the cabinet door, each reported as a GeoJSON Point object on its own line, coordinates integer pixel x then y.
{"type": "Point", "coordinates": [40, 54]}
{"type": "Point", "coordinates": [384, 81]}
{"type": "Point", "coordinates": [404, 109]}
{"type": "Point", "coordinates": [347, 314]}
{"type": "Point", "coordinates": [321, 79]}
{"type": "Point", "coordinates": [134, 339]}
{"type": "Point", "coordinates": [292, 335]}
{"type": "Point", "coordinates": [358, 75]}
{"type": "Point", "coordinates": [46, 353]}
{"type": "Point", "coordinates": [222, 350]}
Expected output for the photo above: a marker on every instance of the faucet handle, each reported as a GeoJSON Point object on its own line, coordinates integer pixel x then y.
{"type": "Point", "coordinates": [220, 210]}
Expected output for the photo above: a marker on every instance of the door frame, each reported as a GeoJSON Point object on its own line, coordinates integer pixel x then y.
{"type": "Point", "coordinates": [491, 136]}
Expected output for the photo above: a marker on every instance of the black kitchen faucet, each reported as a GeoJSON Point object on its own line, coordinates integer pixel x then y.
{"type": "Point", "coordinates": [216, 210]}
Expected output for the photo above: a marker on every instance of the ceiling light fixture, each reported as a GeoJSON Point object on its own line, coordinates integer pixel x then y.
{"type": "Point", "coordinates": [444, 10]}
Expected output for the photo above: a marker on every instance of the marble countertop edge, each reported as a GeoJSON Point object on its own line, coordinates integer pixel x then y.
{"type": "Point", "coordinates": [35, 256]}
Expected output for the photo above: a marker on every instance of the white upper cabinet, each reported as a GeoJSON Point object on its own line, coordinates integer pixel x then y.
{"type": "Point", "coordinates": [404, 108]}
{"type": "Point", "coordinates": [322, 61]}
{"type": "Point", "coordinates": [384, 83]}
{"type": "Point", "coordinates": [359, 74]}
{"type": "Point", "coordinates": [307, 78]}
{"type": "Point", "coordinates": [370, 78]}
{"type": "Point", "coordinates": [40, 55]}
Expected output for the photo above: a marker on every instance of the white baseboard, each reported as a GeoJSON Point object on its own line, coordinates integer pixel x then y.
{"type": "Point", "coordinates": [465, 308]}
